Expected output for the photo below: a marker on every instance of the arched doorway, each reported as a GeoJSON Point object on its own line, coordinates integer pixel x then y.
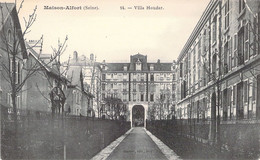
{"type": "Point", "coordinates": [138, 116]}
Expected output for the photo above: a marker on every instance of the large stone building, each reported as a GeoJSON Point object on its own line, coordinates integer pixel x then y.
{"type": "Point", "coordinates": [219, 66]}
{"type": "Point", "coordinates": [84, 72]}
{"type": "Point", "coordinates": [142, 86]}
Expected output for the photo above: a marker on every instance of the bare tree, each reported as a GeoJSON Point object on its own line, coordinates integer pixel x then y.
{"type": "Point", "coordinates": [14, 61]}
{"type": "Point", "coordinates": [14, 47]}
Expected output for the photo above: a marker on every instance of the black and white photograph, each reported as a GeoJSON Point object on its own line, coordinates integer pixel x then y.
{"type": "Point", "coordinates": [130, 79]}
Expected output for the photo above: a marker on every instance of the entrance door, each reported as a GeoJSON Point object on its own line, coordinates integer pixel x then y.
{"type": "Point", "coordinates": [138, 116]}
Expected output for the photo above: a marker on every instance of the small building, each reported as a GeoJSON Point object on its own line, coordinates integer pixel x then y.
{"type": "Point", "coordinates": [42, 81]}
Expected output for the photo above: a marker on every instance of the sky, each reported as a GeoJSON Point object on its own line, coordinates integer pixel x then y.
{"type": "Point", "coordinates": [113, 34]}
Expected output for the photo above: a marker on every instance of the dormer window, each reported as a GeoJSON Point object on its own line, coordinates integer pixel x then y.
{"type": "Point", "coordinates": [138, 65]}
{"type": "Point", "coordinates": [9, 36]}
{"type": "Point", "coordinates": [125, 68]}
{"type": "Point", "coordinates": [151, 67]}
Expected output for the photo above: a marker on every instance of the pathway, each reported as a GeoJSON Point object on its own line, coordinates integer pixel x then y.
{"type": "Point", "coordinates": [137, 144]}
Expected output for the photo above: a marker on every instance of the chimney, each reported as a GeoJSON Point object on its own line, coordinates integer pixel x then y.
{"type": "Point", "coordinates": [75, 55]}
{"type": "Point", "coordinates": [91, 56]}
{"type": "Point", "coordinates": [158, 61]}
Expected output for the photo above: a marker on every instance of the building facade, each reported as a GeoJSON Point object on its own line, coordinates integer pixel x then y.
{"type": "Point", "coordinates": [11, 58]}
{"type": "Point", "coordinates": [138, 83]}
{"type": "Point", "coordinates": [218, 69]}
{"type": "Point", "coordinates": [81, 99]}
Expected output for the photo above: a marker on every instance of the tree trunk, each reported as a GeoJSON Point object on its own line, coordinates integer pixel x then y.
{"type": "Point", "coordinates": [13, 96]}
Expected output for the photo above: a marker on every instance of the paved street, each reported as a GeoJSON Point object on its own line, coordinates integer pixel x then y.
{"type": "Point", "coordinates": [137, 145]}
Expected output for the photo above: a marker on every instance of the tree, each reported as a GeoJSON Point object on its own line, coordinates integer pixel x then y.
{"type": "Point", "coordinates": [115, 108]}
{"type": "Point", "coordinates": [57, 95]}
{"type": "Point", "coordinates": [244, 48]}
{"type": "Point", "coordinates": [14, 46]}
{"type": "Point", "coordinates": [15, 69]}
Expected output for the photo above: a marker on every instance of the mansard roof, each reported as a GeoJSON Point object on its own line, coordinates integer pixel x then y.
{"type": "Point", "coordinates": [157, 66]}
{"type": "Point", "coordinates": [134, 59]}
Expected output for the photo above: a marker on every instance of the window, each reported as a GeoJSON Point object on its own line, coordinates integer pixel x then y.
{"type": "Point", "coordinates": [230, 54]}
{"type": "Point", "coordinates": [173, 97]}
{"type": "Point", "coordinates": [142, 78]}
{"type": "Point", "coordinates": [239, 104]}
{"type": "Point", "coordinates": [125, 68]}
{"type": "Point", "coordinates": [185, 91]}
{"type": "Point", "coordinates": [240, 53]}
{"type": "Point", "coordinates": [234, 94]}
{"type": "Point", "coordinates": [246, 32]}
{"type": "Point", "coordinates": [111, 86]}
{"type": "Point", "coordinates": [173, 87]}
{"type": "Point", "coordinates": [112, 76]}
{"type": "Point", "coordinates": [162, 96]}
{"type": "Point", "coordinates": [254, 88]}
{"type": "Point", "coordinates": [9, 36]}
{"type": "Point", "coordinates": [214, 66]}
{"type": "Point", "coordinates": [18, 102]}
{"type": "Point", "coordinates": [227, 14]}
{"type": "Point", "coordinates": [225, 104]}
{"type": "Point", "coordinates": [103, 76]}
{"type": "Point", "coordinates": [134, 97]}
{"type": "Point", "coordinates": [226, 53]}
{"type": "Point", "coordinates": [181, 69]}
{"type": "Point", "coordinates": [124, 77]}
{"type": "Point", "coordinates": [234, 56]}
{"type": "Point", "coordinates": [17, 70]}
{"type": "Point", "coordinates": [245, 85]}
{"type": "Point", "coordinates": [134, 77]}
{"type": "Point", "coordinates": [189, 62]}
{"type": "Point", "coordinates": [124, 97]}
{"type": "Point", "coordinates": [103, 86]}
{"type": "Point", "coordinates": [9, 99]}
{"type": "Point", "coordinates": [151, 67]}
{"type": "Point", "coordinates": [194, 57]}
{"type": "Point", "coordinates": [142, 97]}
{"type": "Point", "coordinates": [214, 30]}
{"type": "Point", "coordinates": [134, 87]}
{"type": "Point", "coordinates": [77, 111]}
{"type": "Point", "coordinates": [152, 77]}
{"type": "Point", "coordinates": [138, 65]}
{"type": "Point", "coordinates": [173, 77]}
{"type": "Point", "coordinates": [241, 5]}
{"type": "Point", "coordinates": [124, 86]}
{"type": "Point", "coordinates": [151, 97]}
